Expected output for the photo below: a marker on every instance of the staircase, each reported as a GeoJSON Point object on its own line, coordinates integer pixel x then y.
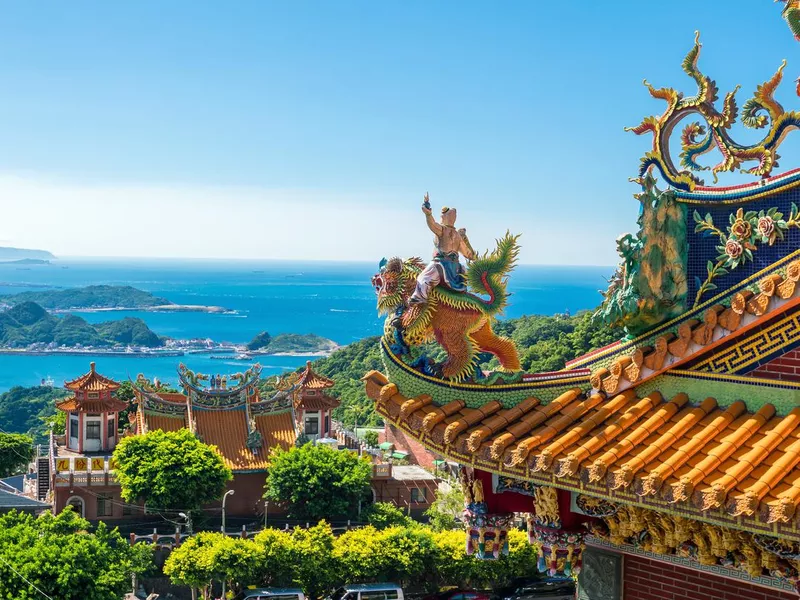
{"type": "Point", "coordinates": [42, 477]}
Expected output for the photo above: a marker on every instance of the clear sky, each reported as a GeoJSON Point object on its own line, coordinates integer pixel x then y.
{"type": "Point", "coordinates": [312, 129]}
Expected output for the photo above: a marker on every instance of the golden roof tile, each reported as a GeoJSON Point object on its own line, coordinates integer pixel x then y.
{"type": "Point", "coordinates": [91, 382]}
{"type": "Point", "coordinates": [704, 455]}
{"type": "Point", "coordinates": [313, 381]}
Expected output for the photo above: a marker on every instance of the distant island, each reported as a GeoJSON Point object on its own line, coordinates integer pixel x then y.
{"type": "Point", "coordinates": [29, 326]}
{"type": "Point", "coordinates": [102, 298]}
{"type": "Point", "coordinates": [291, 343]}
{"type": "Point", "coordinates": [9, 254]}
{"type": "Point", "coordinates": [26, 261]}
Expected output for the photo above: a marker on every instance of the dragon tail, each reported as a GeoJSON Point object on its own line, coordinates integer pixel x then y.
{"type": "Point", "coordinates": [487, 274]}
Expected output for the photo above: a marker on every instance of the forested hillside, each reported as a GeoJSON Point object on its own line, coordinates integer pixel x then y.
{"type": "Point", "coordinates": [545, 344]}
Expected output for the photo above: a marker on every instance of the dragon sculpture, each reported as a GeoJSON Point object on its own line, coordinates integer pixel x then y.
{"type": "Point", "coordinates": [461, 322]}
{"type": "Point", "coordinates": [758, 112]}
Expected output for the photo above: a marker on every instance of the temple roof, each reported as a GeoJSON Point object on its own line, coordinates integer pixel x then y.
{"type": "Point", "coordinates": [322, 402]}
{"type": "Point", "coordinates": [642, 448]}
{"type": "Point", "coordinates": [75, 404]}
{"type": "Point", "coordinates": [225, 427]}
{"type": "Point", "coordinates": [313, 381]}
{"type": "Point", "coordinates": [91, 382]}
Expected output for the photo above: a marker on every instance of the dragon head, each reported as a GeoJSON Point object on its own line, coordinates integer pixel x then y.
{"type": "Point", "coordinates": [395, 282]}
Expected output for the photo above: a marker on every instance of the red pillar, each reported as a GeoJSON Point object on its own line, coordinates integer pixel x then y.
{"type": "Point", "coordinates": [104, 431]}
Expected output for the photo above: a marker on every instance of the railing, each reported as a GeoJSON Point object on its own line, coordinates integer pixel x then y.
{"type": "Point", "coordinates": [173, 540]}
{"type": "Point", "coordinates": [359, 443]}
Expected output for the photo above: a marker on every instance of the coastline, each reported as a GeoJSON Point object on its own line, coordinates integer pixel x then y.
{"type": "Point", "coordinates": [158, 308]}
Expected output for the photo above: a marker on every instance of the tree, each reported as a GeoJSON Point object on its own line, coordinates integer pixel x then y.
{"type": "Point", "coordinates": [24, 410]}
{"type": "Point", "coordinates": [394, 554]}
{"type": "Point", "coordinates": [16, 451]}
{"type": "Point", "coordinates": [445, 511]}
{"type": "Point", "coordinates": [314, 566]}
{"type": "Point", "coordinates": [170, 470]}
{"type": "Point", "coordinates": [371, 437]}
{"type": "Point", "coordinates": [58, 557]}
{"type": "Point", "coordinates": [317, 482]}
{"type": "Point", "coordinates": [211, 556]}
{"type": "Point", "coordinates": [385, 514]}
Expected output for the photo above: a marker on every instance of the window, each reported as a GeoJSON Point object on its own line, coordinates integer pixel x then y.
{"type": "Point", "coordinates": [73, 427]}
{"type": "Point", "coordinates": [327, 424]}
{"type": "Point", "coordinates": [312, 425]}
{"type": "Point", "coordinates": [418, 495]}
{"type": "Point", "coordinates": [93, 430]}
{"type": "Point", "coordinates": [111, 428]}
{"type": "Point", "coordinates": [104, 506]}
{"type": "Point", "coordinates": [127, 510]}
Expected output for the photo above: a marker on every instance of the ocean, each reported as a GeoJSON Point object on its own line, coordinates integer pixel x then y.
{"type": "Point", "coordinates": [334, 300]}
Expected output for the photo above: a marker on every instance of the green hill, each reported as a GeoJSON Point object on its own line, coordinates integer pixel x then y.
{"type": "Point", "coordinates": [291, 343]}
{"type": "Point", "coordinates": [93, 296]}
{"type": "Point", "coordinates": [545, 344]}
{"type": "Point", "coordinates": [28, 323]}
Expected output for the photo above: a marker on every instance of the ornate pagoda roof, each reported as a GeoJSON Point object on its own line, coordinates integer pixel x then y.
{"type": "Point", "coordinates": [313, 381]}
{"type": "Point", "coordinates": [228, 421]}
{"type": "Point", "coordinates": [638, 446]}
{"type": "Point", "coordinates": [75, 404]}
{"type": "Point", "coordinates": [92, 382]}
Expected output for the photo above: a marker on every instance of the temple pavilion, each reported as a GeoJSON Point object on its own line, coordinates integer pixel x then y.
{"type": "Point", "coordinates": [666, 465]}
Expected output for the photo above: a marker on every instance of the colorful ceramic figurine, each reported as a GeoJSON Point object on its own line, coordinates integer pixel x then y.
{"type": "Point", "coordinates": [445, 267]}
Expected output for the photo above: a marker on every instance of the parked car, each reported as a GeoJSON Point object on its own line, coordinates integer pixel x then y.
{"type": "Point", "coordinates": [459, 595]}
{"type": "Point", "coordinates": [272, 594]}
{"type": "Point", "coordinates": [539, 588]}
{"type": "Point", "coordinates": [368, 591]}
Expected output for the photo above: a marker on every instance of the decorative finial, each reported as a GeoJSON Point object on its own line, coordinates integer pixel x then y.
{"type": "Point", "coordinates": [91, 366]}
{"type": "Point", "coordinates": [762, 111]}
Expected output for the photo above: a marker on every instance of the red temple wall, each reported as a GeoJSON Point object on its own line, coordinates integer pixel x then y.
{"type": "Point", "coordinates": [646, 579]}
{"type": "Point", "coordinates": [783, 368]}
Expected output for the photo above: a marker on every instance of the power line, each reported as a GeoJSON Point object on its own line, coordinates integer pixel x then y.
{"type": "Point", "coordinates": [25, 579]}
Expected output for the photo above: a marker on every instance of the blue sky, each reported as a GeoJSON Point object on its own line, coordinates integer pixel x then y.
{"type": "Point", "coordinates": [312, 129]}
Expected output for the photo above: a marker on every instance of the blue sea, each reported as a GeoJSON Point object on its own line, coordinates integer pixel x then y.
{"type": "Point", "coordinates": [334, 300]}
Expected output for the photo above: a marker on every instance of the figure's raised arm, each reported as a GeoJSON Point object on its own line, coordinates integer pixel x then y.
{"type": "Point", "coordinates": [432, 224]}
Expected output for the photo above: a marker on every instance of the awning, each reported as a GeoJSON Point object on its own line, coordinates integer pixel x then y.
{"type": "Point", "coordinates": [438, 462]}
{"type": "Point", "coordinates": [399, 455]}
{"type": "Point", "coordinates": [386, 446]}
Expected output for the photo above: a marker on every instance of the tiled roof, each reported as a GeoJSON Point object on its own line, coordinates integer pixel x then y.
{"type": "Point", "coordinates": [164, 422]}
{"type": "Point", "coordinates": [318, 403]}
{"type": "Point", "coordinates": [313, 381]}
{"type": "Point", "coordinates": [91, 382]}
{"type": "Point", "coordinates": [277, 429]}
{"type": "Point", "coordinates": [9, 500]}
{"type": "Point", "coordinates": [91, 406]}
{"type": "Point", "coordinates": [707, 456]}
{"type": "Point", "coordinates": [693, 337]}
{"type": "Point", "coordinates": [227, 430]}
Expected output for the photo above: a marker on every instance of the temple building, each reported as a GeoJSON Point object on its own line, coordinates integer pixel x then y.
{"type": "Point", "coordinates": [226, 411]}
{"type": "Point", "coordinates": [92, 413]}
{"type": "Point", "coordinates": [312, 404]}
{"type": "Point", "coordinates": [666, 465]}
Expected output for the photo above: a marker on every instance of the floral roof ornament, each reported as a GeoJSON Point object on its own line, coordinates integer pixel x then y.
{"type": "Point", "coordinates": [759, 112]}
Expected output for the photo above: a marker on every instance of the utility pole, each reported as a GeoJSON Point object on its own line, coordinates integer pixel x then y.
{"type": "Point", "coordinates": [266, 510]}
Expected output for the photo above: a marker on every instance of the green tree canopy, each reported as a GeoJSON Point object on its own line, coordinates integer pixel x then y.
{"type": "Point", "coordinates": [317, 482]}
{"type": "Point", "coordinates": [172, 470]}
{"type": "Point", "coordinates": [445, 511]}
{"type": "Point", "coordinates": [385, 514]}
{"type": "Point", "coordinates": [16, 451]}
{"type": "Point", "coordinates": [57, 556]}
